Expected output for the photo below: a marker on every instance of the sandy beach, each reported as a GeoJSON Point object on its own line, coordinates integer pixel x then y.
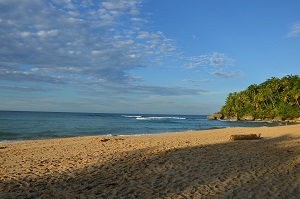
{"type": "Point", "coordinates": [198, 164]}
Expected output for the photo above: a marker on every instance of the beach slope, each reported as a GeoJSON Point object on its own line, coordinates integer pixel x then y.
{"type": "Point", "coordinates": [199, 164]}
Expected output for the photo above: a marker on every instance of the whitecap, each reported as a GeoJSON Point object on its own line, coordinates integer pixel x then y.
{"type": "Point", "coordinates": [160, 118]}
{"type": "Point", "coordinates": [133, 116]}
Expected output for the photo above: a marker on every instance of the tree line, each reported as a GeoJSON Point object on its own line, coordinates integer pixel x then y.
{"type": "Point", "coordinates": [274, 98]}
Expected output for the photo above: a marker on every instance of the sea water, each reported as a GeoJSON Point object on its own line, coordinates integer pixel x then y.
{"type": "Point", "coordinates": [25, 125]}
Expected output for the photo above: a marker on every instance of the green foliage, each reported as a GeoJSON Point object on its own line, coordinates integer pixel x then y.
{"type": "Point", "coordinates": [273, 98]}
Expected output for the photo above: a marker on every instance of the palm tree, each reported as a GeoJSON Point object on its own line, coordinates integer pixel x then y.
{"type": "Point", "coordinates": [269, 99]}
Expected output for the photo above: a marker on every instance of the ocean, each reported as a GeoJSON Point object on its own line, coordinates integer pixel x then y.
{"type": "Point", "coordinates": [26, 125]}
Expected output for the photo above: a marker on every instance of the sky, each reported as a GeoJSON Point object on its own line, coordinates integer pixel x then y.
{"type": "Point", "coordinates": [142, 56]}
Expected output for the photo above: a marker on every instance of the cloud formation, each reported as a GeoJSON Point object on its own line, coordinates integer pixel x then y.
{"type": "Point", "coordinates": [216, 63]}
{"type": "Point", "coordinates": [92, 45]}
{"type": "Point", "coordinates": [215, 59]}
{"type": "Point", "coordinates": [76, 41]}
{"type": "Point", "coordinates": [294, 31]}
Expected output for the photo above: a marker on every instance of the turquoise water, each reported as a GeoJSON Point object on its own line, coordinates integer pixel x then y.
{"type": "Point", "coordinates": [19, 125]}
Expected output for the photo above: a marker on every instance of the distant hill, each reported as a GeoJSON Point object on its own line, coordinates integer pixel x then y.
{"type": "Point", "coordinates": [275, 99]}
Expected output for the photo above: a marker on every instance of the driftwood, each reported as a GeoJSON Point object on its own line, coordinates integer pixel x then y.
{"type": "Point", "coordinates": [104, 139]}
{"type": "Point", "coordinates": [245, 137]}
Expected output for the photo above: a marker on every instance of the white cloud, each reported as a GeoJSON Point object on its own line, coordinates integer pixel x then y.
{"type": "Point", "coordinates": [135, 19]}
{"type": "Point", "coordinates": [157, 43]}
{"type": "Point", "coordinates": [25, 34]}
{"type": "Point", "coordinates": [98, 48]}
{"type": "Point", "coordinates": [196, 61]}
{"type": "Point", "coordinates": [49, 33]}
{"type": "Point", "coordinates": [213, 63]}
{"type": "Point", "coordinates": [215, 59]}
{"type": "Point", "coordinates": [59, 42]}
{"type": "Point", "coordinates": [20, 76]}
{"type": "Point", "coordinates": [143, 35]}
{"type": "Point", "coordinates": [115, 5]}
{"type": "Point", "coordinates": [294, 31]}
{"type": "Point", "coordinates": [220, 59]}
{"type": "Point", "coordinates": [118, 7]}
{"type": "Point", "coordinates": [65, 3]}
{"type": "Point", "coordinates": [53, 37]}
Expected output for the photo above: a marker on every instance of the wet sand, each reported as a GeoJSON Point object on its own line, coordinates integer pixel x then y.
{"type": "Point", "coordinates": [199, 164]}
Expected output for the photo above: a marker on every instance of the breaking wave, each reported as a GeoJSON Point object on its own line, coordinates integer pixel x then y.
{"type": "Point", "coordinates": [160, 118]}
{"type": "Point", "coordinates": [132, 116]}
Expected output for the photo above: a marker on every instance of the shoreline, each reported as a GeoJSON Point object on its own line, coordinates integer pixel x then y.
{"type": "Point", "coordinates": [250, 118]}
{"type": "Point", "coordinates": [158, 133]}
{"type": "Point", "coordinates": [169, 165]}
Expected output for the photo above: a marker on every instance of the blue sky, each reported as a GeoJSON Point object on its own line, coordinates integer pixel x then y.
{"type": "Point", "coordinates": [142, 56]}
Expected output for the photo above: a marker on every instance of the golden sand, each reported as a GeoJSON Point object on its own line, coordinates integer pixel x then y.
{"type": "Point", "coordinates": [199, 164]}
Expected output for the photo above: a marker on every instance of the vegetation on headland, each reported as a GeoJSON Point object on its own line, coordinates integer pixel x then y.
{"type": "Point", "coordinates": [275, 99]}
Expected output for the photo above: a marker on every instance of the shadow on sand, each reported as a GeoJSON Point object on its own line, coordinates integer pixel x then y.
{"type": "Point", "coordinates": [264, 168]}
